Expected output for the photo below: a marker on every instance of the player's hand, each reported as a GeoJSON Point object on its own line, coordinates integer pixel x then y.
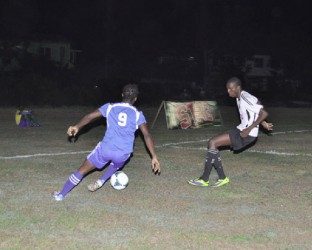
{"type": "Point", "coordinates": [245, 132]}
{"type": "Point", "coordinates": [156, 166]}
{"type": "Point", "coordinates": [268, 126]}
{"type": "Point", "coordinates": [72, 130]}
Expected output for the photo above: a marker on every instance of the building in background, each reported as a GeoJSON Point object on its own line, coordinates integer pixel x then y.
{"type": "Point", "coordinates": [260, 72]}
{"type": "Point", "coordinates": [60, 53]}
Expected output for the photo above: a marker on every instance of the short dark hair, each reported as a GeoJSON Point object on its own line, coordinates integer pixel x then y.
{"type": "Point", "coordinates": [130, 91]}
{"type": "Point", "coordinates": [234, 80]}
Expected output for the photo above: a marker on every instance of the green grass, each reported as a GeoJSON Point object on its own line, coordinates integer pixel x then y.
{"type": "Point", "coordinates": [267, 204]}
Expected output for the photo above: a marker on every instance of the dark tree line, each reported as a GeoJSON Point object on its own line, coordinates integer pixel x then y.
{"type": "Point", "coordinates": [122, 41]}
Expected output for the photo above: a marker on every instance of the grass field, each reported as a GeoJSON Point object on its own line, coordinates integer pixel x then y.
{"type": "Point", "coordinates": [267, 205]}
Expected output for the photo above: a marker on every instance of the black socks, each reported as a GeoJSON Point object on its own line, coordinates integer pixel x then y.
{"type": "Point", "coordinates": [213, 159]}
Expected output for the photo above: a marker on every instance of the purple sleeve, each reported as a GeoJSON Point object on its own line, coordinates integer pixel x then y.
{"type": "Point", "coordinates": [141, 119]}
{"type": "Point", "coordinates": [103, 109]}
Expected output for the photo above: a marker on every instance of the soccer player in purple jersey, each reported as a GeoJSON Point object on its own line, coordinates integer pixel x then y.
{"type": "Point", "coordinates": [122, 120]}
{"type": "Point", "coordinates": [252, 114]}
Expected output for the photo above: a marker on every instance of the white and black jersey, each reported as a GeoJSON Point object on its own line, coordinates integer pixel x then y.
{"type": "Point", "coordinates": [249, 110]}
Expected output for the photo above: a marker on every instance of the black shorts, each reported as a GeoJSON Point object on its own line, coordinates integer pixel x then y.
{"type": "Point", "coordinates": [238, 142]}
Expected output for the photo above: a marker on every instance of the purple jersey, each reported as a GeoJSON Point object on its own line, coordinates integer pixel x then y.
{"type": "Point", "coordinates": [122, 121]}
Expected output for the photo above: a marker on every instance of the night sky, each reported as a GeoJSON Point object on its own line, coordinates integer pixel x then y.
{"type": "Point", "coordinates": [162, 24]}
{"type": "Point", "coordinates": [148, 28]}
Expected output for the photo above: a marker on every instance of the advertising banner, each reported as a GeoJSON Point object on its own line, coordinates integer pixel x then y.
{"type": "Point", "coordinates": [194, 114]}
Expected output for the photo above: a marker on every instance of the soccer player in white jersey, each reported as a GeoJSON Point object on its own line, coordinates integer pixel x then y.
{"type": "Point", "coordinates": [122, 120]}
{"type": "Point", "coordinates": [252, 114]}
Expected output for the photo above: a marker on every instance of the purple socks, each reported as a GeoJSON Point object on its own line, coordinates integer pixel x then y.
{"type": "Point", "coordinates": [72, 182]}
{"type": "Point", "coordinates": [110, 171]}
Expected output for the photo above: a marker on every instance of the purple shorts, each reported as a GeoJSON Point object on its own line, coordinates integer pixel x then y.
{"type": "Point", "coordinates": [101, 155]}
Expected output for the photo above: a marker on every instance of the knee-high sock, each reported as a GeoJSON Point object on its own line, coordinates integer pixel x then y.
{"type": "Point", "coordinates": [210, 159]}
{"type": "Point", "coordinates": [113, 167]}
{"type": "Point", "coordinates": [218, 166]}
{"type": "Point", "coordinates": [72, 182]}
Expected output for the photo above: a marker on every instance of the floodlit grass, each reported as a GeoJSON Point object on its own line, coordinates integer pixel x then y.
{"type": "Point", "coordinates": [267, 204]}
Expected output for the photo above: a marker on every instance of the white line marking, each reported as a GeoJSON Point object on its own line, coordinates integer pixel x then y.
{"type": "Point", "coordinates": [173, 144]}
{"type": "Point", "coordinates": [180, 143]}
{"type": "Point", "coordinates": [291, 131]}
{"type": "Point", "coordinates": [207, 139]}
{"type": "Point", "coordinates": [41, 155]}
{"type": "Point", "coordinates": [271, 152]}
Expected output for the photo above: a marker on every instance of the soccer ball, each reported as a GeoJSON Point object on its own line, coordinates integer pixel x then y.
{"type": "Point", "coordinates": [119, 180]}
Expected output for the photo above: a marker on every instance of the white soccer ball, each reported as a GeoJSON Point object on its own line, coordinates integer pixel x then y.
{"type": "Point", "coordinates": [119, 180]}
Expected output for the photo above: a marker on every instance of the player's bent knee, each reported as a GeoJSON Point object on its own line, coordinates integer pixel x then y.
{"type": "Point", "coordinates": [211, 143]}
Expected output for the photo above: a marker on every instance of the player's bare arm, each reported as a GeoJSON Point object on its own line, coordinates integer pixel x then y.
{"type": "Point", "coordinates": [267, 125]}
{"type": "Point", "coordinates": [73, 130]}
{"type": "Point", "coordinates": [150, 145]}
{"type": "Point", "coordinates": [263, 114]}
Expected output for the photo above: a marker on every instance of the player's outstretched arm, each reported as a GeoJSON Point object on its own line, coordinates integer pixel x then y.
{"type": "Point", "coordinates": [150, 145]}
{"type": "Point", "coordinates": [267, 125]}
{"type": "Point", "coordinates": [73, 130]}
